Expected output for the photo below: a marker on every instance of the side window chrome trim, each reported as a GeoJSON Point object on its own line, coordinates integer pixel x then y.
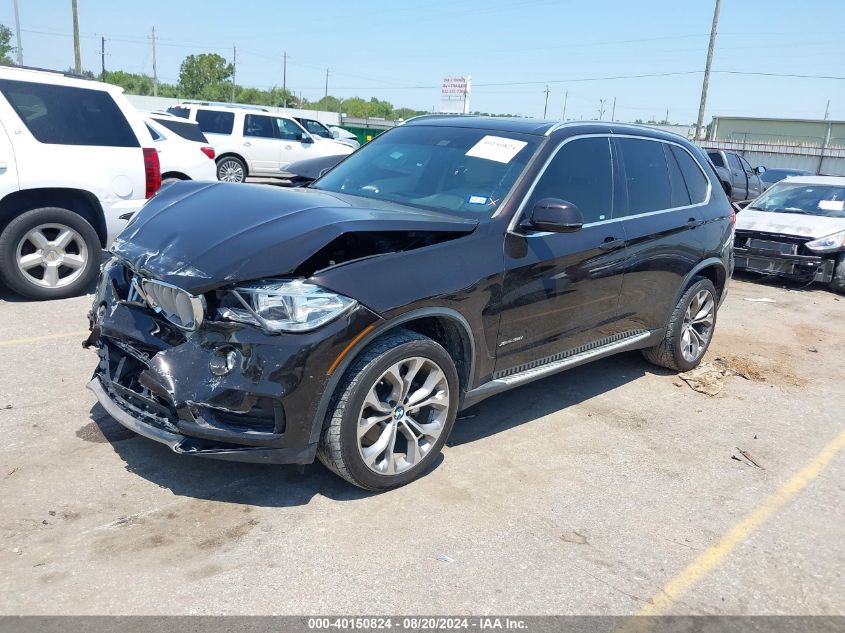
{"type": "Point", "coordinates": [521, 209]}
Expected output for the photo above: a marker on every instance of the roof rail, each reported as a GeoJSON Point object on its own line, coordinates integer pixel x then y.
{"type": "Point", "coordinates": [64, 73]}
{"type": "Point", "coordinates": [223, 104]}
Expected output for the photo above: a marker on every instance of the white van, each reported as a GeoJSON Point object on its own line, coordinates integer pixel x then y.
{"type": "Point", "coordinates": [76, 162]}
{"type": "Point", "coordinates": [250, 141]}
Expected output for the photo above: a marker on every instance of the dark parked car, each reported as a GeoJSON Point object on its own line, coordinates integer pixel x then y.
{"type": "Point", "coordinates": [739, 180]}
{"type": "Point", "coordinates": [771, 176]}
{"type": "Point", "coordinates": [449, 260]}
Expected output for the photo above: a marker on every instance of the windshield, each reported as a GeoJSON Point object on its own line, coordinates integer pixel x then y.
{"type": "Point", "coordinates": [786, 197]}
{"type": "Point", "coordinates": [441, 168]}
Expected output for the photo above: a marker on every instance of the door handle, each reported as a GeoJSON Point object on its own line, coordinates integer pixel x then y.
{"type": "Point", "coordinates": [692, 223]}
{"type": "Point", "coordinates": [247, 144]}
{"type": "Point", "coordinates": [611, 244]}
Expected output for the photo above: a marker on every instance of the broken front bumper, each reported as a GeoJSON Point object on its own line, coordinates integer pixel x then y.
{"type": "Point", "coordinates": [157, 381]}
{"type": "Point", "coordinates": [798, 267]}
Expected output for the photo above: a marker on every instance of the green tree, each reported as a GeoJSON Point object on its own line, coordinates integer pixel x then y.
{"type": "Point", "coordinates": [6, 45]}
{"type": "Point", "coordinates": [205, 76]}
{"type": "Point", "coordinates": [132, 83]}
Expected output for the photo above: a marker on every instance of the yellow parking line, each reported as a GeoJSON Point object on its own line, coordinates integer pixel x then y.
{"type": "Point", "coordinates": [713, 555]}
{"type": "Point", "coordinates": [46, 337]}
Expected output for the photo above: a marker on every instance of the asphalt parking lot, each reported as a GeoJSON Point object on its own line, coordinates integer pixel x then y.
{"type": "Point", "coordinates": [614, 488]}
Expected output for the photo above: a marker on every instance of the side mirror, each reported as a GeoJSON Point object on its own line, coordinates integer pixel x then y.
{"type": "Point", "coordinates": [335, 134]}
{"type": "Point", "coordinates": [740, 205]}
{"type": "Point", "coordinates": [557, 216]}
{"type": "Point", "coordinates": [760, 169]}
{"type": "Point", "coordinates": [305, 138]}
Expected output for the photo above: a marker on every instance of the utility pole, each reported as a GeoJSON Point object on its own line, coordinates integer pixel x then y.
{"type": "Point", "coordinates": [565, 99]}
{"type": "Point", "coordinates": [155, 68]}
{"type": "Point", "coordinates": [667, 116]}
{"type": "Point", "coordinates": [700, 123]}
{"type": "Point", "coordinates": [77, 56]}
{"type": "Point", "coordinates": [285, 79]}
{"type": "Point", "coordinates": [103, 58]}
{"type": "Point", "coordinates": [18, 35]}
{"type": "Point", "coordinates": [546, 106]}
{"type": "Point", "coordinates": [326, 97]}
{"type": "Point", "coordinates": [234, 70]}
{"type": "Point", "coordinates": [613, 111]}
{"type": "Point", "coordinates": [601, 108]}
{"type": "Point", "coordinates": [827, 110]}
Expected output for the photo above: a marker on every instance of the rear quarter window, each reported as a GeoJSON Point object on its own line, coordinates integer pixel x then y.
{"type": "Point", "coordinates": [694, 178]}
{"type": "Point", "coordinates": [716, 159]}
{"type": "Point", "coordinates": [214, 122]}
{"type": "Point", "coordinates": [66, 115]}
{"type": "Point", "coordinates": [189, 131]}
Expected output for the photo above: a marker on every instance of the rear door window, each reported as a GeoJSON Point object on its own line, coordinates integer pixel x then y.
{"type": "Point", "coordinates": [694, 178]}
{"type": "Point", "coordinates": [646, 175]}
{"type": "Point", "coordinates": [215, 122]}
{"type": "Point", "coordinates": [580, 173]}
{"type": "Point", "coordinates": [185, 129]}
{"type": "Point", "coordinates": [65, 115]}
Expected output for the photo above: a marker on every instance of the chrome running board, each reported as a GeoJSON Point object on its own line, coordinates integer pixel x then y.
{"type": "Point", "coordinates": [503, 381]}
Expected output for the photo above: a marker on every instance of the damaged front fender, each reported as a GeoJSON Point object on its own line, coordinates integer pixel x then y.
{"type": "Point", "coordinates": [225, 389]}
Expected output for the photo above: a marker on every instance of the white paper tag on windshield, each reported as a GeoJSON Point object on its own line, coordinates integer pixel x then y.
{"type": "Point", "coordinates": [497, 148]}
{"type": "Point", "coordinates": [832, 205]}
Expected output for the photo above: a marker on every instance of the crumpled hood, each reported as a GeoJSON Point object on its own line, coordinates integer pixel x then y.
{"type": "Point", "coordinates": [798, 224]}
{"type": "Point", "coordinates": [201, 236]}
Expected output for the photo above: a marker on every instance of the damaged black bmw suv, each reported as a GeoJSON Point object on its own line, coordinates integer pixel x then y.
{"type": "Point", "coordinates": [450, 259]}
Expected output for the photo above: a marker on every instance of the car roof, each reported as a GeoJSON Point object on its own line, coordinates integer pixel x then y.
{"type": "Point", "coordinates": [504, 124]}
{"type": "Point", "coordinates": [538, 127]}
{"type": "Point", "coordinates": [55, 77]}
{"type": "Point", "coordinates": [838, 181]}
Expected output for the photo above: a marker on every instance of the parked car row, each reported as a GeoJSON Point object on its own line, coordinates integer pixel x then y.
{"type": "Point", "coordinates": [77, 161]}
{"type": "Point", "coordinates": [250, 141]}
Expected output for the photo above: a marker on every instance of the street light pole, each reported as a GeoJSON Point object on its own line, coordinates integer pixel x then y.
{"type": "Point", "coordinates": [700, 123]}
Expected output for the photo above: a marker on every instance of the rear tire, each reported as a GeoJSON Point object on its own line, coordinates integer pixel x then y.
{"type": "Point", "coordinates": [690, 329]}
{"type": "Point", "coordinates": [231, 169]}
{"type": "Point", "coordinates": [49, 253]}
{"type": "Point", "coordinates": [386, 429]}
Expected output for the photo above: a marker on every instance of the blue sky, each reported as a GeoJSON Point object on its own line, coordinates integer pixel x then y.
{"type": "Point", "coordinates": [401, 51]}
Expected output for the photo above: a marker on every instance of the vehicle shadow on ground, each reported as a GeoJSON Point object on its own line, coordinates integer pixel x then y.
{"type": "Point", "coordinates": [543, 397]}
{"type": "Point", "coordinates": [278, 486]}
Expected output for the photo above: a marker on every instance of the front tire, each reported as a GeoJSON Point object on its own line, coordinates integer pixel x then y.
{"type": "Point", "coordinates": [231, 169]}
{"type": "Point", "coordinates": [49, 253]}
{"type": "Point", "coordinates": [837, 284]}
{"type": "Point", "coordinates": [690, 329]}
{"type": "Point", "coordinates": [395, 409]}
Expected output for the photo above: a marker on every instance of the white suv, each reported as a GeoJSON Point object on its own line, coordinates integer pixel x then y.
{"type": "Point", "coordinates": [76, 162]}
{"type": "Point", "coordinates": [250, 141]}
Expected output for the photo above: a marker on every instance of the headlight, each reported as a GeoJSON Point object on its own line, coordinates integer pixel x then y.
{"type": "Point", "coordinates": [284, 306]}
{"type": "Point", "coordinates": [828, 244]}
